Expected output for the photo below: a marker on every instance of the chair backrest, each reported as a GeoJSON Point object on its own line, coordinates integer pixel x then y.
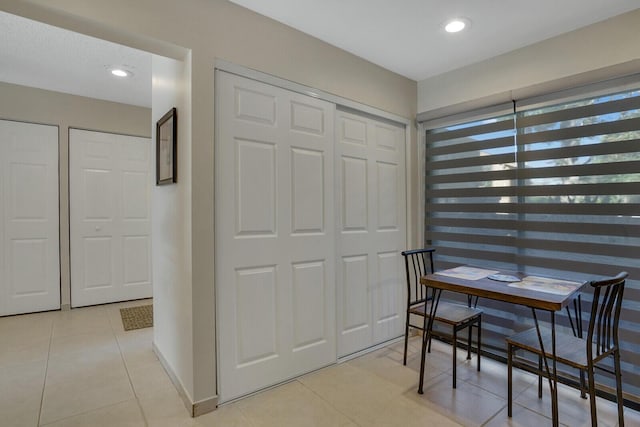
{"type": "Point", "coordinates": [417, 262]}
{"type": "Point", "coordinates": [605, 313]}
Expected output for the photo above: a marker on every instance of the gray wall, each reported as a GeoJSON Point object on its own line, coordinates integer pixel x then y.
{"type": "Point", "coordinates": [597, 52]}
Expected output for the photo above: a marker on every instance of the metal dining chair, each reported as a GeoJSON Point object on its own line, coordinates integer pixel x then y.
{"type": "Point", "coordinates": [419, 262]}
{"type": "Point", "coordinates": [600, 342]}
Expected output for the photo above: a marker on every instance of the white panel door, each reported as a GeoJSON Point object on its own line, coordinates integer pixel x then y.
{"type": "Point", "coordinates": [370, 182]}
{"type": "Point", "coordinates": [29, 225]}
{"type": "Point", "coordinates": [274, 235]}
{"type": "Point", "coordinates": [110, 227]}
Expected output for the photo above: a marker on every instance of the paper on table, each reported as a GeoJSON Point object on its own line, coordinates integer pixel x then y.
{"type": "Point", "coordinates": [466, 273]}
{"type": "Point", "coordinates": [544, 284]}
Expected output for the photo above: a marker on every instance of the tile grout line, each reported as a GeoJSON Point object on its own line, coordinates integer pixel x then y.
{"type": "Point", "coordinates": [493, 417]}
{"type": "Point", "coordinates": [126, 368]}
{"type": "Point", "coordinates": [244, 415]}
{"type": "Point", "coordinates": [88, 411]}
{"type": "Point", "coordinates": [46, 370]}
{"type": "Point", "coordinates": [327, 402]}
{"type": "Point", "coordinates": [82, 412]}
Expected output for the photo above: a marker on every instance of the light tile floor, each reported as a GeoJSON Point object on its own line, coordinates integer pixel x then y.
{"type": "Point", "coordinates": [80, 368]}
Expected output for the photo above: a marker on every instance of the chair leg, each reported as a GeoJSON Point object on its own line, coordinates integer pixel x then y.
{"type": "Point", "coordinates": [592, 395]}
{"type": "Point", "coordinates": [406, 339]}
{"type": "Point", "coordinates": [539, 377]}
{"type": "Point", "coordinates": [470, 327]}
{"type": "Point", "coordinates": [616, 364]}
{"type": "Point", "coordinates": [479, 341]}
{"type": "Point", "coordinates": [583, 387]}
{"type": "Point", "coordinates": [455, 347]}
{"type": "Point", "coordinates": [509, 380]}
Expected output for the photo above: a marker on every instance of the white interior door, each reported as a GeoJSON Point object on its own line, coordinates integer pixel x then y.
{"type": "Point", "coordinates": [29, 225]}
{"type": "Point", "coordinates": [110, 227]}
{"type": "Point", "coordinates": [274, 235]}
{"type": "Point", "coordinates": [370, 175]}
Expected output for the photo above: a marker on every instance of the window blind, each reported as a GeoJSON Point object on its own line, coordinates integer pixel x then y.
{"type": "Point", "coordinates": [548, 190]}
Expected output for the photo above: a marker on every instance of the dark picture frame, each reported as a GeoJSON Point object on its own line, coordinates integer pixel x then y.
{"type": "Point", "coordinates": [167, 148]}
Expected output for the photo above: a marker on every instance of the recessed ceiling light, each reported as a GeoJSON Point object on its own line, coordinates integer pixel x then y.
{"type": "Point", "coordinates": [456, 25]}
{"type": "Point", "coordinates": [119, 72]}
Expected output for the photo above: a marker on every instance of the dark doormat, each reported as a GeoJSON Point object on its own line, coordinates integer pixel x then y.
{"type": "Point", "coordinates": [137, 317]}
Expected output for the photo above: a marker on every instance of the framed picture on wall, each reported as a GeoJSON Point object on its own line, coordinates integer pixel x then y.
{"type": "Point", "coordinates": [166, 148]}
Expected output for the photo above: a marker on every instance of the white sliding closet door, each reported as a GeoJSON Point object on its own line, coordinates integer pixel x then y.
{"type": "Point", "coordinates": [370, 174]}
{"type": "Point", "coordinates": [110, 227]}
{"type": "Point", "coordinates": [29, 211]}
{"type": "Point", "coordinates": [274, 234]}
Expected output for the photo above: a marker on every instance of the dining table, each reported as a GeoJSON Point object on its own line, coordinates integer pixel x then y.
{"type": "Point", "coordinates": [540, 294]}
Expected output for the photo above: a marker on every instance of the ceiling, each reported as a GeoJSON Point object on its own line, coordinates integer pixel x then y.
{"type": "Point", "coordinates": [407, 36]}
{"type": "Point", "coordinates": [39, 55]}
{"type": "Point", "coordinates": [404, 36]}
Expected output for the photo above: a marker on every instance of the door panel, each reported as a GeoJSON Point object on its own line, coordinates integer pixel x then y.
{"type": "Point", "coordinates": [387, 298]}
{"type": "Point", "coordinates": [307, 191]}
{"type": "Point", "coordinates": [109, 195]}
{"type": "Point", "coordinates": [387, 178]}
{"type": "Point", "coordinates": [135, 260]}
{"type": "Point", "coordinates": [27, 266]}
{"type": "Point", "coordinates": [274, 235]}
{"type": "Point", "coordinates": [256, 299]}
{"type": "Point", "coordinates": [354, 304]}
{"type": "Point", "coordinates": [354, 195]}
{"type": "Point", "coordinates": [255, 199]}
{"type": "Point", "coordinates": [309, 309]}
{"type": "Point", "coordinates": [29, 224]}
{"type": "Point", "coordinates": [134, 187]}
{"type": "Point", "coordinates": [371, 183]}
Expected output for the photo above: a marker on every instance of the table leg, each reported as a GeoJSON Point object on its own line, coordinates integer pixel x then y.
{"type": "Point", "coordinates": [577, 331]}
{"type": "Point", "coordinates": [554, 392]}
{"type": "Point", "coordinates": [577, 310]}
{"type": "Point", "coordinates": [552, 374]}
{"type": "Point", "coordinates": [426, 334]}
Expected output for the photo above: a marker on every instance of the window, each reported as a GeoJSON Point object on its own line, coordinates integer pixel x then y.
{"type": "Point", "coordinates": [549, 190]}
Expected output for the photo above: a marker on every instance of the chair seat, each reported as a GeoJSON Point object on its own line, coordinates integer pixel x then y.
{"type": "Point", "coordinates": [418, 263]}
{"type": "Point", "coordinates": [570, 350]}
{"type": "Point", "coordinates": [583, 354]}
{"type": "Point", "coordinates": [449, 313]}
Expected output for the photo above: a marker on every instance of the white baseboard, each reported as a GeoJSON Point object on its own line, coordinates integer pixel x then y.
{"type": "Point", "coordinates": [195, 409]}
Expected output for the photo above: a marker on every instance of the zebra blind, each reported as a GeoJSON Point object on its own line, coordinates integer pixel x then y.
{"type": "Point", "coordinates": [552, 190]}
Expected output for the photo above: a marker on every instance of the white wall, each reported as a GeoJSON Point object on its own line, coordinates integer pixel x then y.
{"type": "Point", "coordinates": [171, 232]}
{"type": "Point", "coordinates": [212, 29]}
{"type": "Point", "coordinates": [603, 50]}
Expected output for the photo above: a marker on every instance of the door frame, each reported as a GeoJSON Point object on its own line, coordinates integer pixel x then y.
{"type": "Point", "coordinates": [340, 102]}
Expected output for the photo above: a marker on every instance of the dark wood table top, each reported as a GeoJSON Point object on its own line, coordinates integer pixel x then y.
{"type": "Point", "coordinates": [501, 291]}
